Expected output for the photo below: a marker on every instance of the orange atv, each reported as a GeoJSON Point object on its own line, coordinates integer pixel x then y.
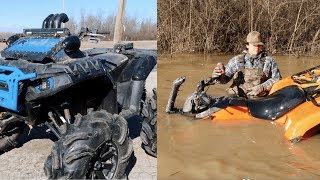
{"type": "Point", "coordinates": [293, 102]}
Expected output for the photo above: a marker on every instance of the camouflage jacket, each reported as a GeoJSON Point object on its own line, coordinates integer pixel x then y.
{"type": "Point", "coordinates": [262, 61]}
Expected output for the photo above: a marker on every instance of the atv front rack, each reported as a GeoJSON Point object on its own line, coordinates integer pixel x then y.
{"type": "Point", "coordinates": [9, 86]}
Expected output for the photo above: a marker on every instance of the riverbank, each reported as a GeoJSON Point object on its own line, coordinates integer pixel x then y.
{"type": "Point", "coordinates": [178, 54]}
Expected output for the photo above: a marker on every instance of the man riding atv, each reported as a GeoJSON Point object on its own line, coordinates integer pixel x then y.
{"type": "Point", "coordinates": [253, 74]}
{"type": "Point", "coordinates": [293, 102]}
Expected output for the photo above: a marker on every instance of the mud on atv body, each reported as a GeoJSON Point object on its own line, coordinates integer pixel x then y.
{"type": "Point", "coordinates": [46, 79]}
{"type": "Point", "coordinates": [292, 102]}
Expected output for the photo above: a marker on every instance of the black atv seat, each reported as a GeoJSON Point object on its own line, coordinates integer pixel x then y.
{"type": "Point", "coordinates": [277, 104]}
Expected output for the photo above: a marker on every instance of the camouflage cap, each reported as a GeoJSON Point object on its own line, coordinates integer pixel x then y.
{"type": "Point", "coordinates": [254, 38]}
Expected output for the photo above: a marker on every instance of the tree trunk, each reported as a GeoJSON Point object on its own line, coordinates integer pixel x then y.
{"type": "Point", "coordinates": [295, 29]}
{"type": "Point", "coordinates": [313, 45]}
{"type": "Point", "coordinates": [190, 24]}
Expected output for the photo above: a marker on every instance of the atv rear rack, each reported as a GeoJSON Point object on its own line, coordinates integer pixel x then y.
{"type": "Point", "coordinates": [9, 86]}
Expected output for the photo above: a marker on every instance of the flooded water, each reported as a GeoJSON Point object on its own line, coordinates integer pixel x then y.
{"type": "Point", "coordinates": [204, 149]}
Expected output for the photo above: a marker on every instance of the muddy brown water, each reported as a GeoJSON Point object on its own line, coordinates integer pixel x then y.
{"type": "Point", "coordinates": [204, 149]}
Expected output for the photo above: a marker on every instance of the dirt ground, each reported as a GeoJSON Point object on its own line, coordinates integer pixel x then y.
{"type": "Point", "coordinates": [27, 161]}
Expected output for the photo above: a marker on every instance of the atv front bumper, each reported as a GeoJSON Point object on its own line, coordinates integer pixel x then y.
{"type": "Point", "coordinates": [9, 86]}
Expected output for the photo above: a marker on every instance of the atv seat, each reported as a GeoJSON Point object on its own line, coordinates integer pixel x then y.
{"type": "Point", "coordinates": [277, 104]}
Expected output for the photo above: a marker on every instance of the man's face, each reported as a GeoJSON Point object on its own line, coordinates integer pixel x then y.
{"type": "Point", "coordinates": [254, 49]}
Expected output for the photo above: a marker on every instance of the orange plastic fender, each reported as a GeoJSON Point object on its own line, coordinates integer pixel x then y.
{"type": "Point", "coordinates": [296, 122]}
{"type": "Point", "coordinates": [234, 113]}
{"type": "Point", "coordinates": [299, 120]}
{"type": "Point", "coordinates": [316, 72]}
{"type": "Point", "coordinates": [281, 84]}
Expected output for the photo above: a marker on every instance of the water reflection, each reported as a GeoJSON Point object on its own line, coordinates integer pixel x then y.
{"type": "Point", "coordinates": [202, 149]}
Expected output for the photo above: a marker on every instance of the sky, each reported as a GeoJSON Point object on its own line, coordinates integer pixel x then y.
{"type": "Point", "coordinates": [15, 15]}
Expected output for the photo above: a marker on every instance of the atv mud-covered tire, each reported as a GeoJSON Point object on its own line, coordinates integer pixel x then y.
{"type": "Point", "coordinates": [11, 130]}
{"type": "Point", "coordinates": [148, 132]}
{"type": "Point", "coordinates": [9, 142]}
{"type": "Point", "coordinates": [96, 146]}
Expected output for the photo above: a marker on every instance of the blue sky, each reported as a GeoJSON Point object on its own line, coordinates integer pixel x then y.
{"type": "Point", "coordinates": [18, 14]}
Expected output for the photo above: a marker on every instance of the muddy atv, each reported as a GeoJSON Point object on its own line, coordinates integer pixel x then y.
{"type": "Point", "coordinates": [293, 102]}
{"type": "Point", "coordinates": [83, 97]}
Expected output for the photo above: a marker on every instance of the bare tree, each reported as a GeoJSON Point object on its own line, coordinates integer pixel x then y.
{"type": "Point", "coordinates": [288, 26]}
{"type": "Point", "coordinates": [72, 25]}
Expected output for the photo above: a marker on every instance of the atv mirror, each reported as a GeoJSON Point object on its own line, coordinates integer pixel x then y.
{"type": "Point", "coordinates": [71, 43]}
{"type": "Point", "coordinates": [12, 39]}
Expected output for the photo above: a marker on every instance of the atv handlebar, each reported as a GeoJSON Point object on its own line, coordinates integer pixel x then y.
{"type": "Point", "coordinates": [206, 82]}
{"type": "Point", "coordinates": [92, 32]}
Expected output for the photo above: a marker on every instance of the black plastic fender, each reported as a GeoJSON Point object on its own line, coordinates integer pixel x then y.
{"type": "Point", "coordinates": [277, 104]}
{"type": "Point", "coordinates": [138, 68]}
{"type": "Point", "coordinates": [143, 68]}
{"type": "Point", "coordinates": [132, 81]}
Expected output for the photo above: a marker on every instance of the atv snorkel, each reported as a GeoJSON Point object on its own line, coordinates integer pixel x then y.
{"type": "Point", "coordinates": [173, 94]}
{"type": "Point", "coordinates": [196, 102]}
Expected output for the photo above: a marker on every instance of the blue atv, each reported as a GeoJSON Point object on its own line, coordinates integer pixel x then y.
{"type": "Point", "coordinates": [84, 98]}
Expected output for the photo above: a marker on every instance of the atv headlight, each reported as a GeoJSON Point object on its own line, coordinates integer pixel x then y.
{"type": "Point", "coordinates": [45, 84]}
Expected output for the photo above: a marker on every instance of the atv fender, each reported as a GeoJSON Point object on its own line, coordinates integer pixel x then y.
{"type": "Point", "coordinates": [143, 67]}
{"type": "Point", "coordinates": [298, 121]}
{"type": "Point", "coordinates": [131, 84]}
{"type": "Point", "coordinates": [277, 104]}
{"type": "Point", "coordinates": [138, 69]}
